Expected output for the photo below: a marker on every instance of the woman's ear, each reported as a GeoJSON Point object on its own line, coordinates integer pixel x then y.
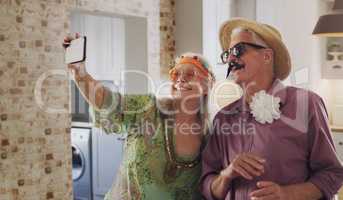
{"type": "Point", "coordinates": [268, 55]}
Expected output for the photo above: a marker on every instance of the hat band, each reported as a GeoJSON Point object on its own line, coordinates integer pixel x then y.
{"type": "Point", "coordinates": [193, 62]}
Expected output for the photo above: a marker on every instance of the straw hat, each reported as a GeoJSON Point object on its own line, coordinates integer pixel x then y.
{"type": "Point", "coordinates": [272, 37]}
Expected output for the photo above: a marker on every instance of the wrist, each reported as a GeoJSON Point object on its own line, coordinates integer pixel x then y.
{"type": "Point", "coordinates": [221, 184]}
{"type": "Point", "coordinates": [81, 70]}
{"type": "Point", "coordinates": [80, 76]}
{"type": "Point", "coordinates": [226, 178]}
{"type": "Point", "coordinates": [78, 69]}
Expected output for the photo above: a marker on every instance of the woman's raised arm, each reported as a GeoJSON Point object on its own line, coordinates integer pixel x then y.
{"type": "Point", "coordinates": [92, 90]}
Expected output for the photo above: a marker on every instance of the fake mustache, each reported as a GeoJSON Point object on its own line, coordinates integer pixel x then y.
{"type": "Point", "coordinates": [233, 65]}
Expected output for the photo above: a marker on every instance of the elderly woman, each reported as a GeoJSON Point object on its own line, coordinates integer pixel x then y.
{"type": "Point", "coordinates": [283, 148]}
{"type": "Point", "coordinates": [164, 135]}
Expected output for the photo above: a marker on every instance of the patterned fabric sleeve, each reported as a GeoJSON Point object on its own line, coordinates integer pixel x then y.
{"type": "Point", "coordinates": [109, 117]}
{"type": "Point", "coordinates": [123, 113]}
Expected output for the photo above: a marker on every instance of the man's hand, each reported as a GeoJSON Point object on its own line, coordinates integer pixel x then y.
{"type": "Point", "coordinates": [244, 165]}
{"type": "Point", "coordinates": [269, 191]}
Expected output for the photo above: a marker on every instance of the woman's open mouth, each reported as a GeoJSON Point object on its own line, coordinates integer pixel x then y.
{"type": "Point", "coordinates": [182, 87]}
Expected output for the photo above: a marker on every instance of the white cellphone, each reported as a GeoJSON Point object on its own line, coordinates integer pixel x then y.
{"type": "Point", "coordinates": [76, 51]}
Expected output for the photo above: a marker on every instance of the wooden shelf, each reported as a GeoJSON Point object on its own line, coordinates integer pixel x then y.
{"type": "Point", "coordinates": [337, 128]}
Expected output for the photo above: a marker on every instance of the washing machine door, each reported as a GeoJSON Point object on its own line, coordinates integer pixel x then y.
{"type": "Point", "coordinates": [79, 163]}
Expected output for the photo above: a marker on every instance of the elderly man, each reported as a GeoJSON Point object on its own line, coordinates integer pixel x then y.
{"type": "Point", "coordinates": [283, 148]}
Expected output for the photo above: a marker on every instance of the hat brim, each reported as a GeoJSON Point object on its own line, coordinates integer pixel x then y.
{"type": "Point", "coordinates": [282, 60]}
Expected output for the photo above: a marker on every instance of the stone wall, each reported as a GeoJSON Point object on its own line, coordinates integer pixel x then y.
{"type": "Point", "coordinates": [35, 153]}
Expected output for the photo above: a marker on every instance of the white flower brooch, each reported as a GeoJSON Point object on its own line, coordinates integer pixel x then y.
{"type": "Point", "coordinates": [265, 107]}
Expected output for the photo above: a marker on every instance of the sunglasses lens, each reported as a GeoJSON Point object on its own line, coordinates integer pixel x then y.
{"type": "Point", "coordinates": [237, 50]}
{"type": "Point", "coordinates": [225, 57]}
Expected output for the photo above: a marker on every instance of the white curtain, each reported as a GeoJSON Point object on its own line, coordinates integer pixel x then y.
{"type": "Point", "coordinates": [105, 44]}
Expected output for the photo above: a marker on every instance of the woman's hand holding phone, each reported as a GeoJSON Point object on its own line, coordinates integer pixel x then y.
{"type": "Point", "coordinates": [76, 68]}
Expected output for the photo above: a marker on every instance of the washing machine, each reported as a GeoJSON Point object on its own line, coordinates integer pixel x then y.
{"type": "Point", "coordinates": [81, 162]}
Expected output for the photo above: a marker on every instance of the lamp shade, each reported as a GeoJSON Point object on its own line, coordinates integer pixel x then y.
{"type": "Point", "coordinates": [329, 25]}
{"type": "Point", "coordinates": [338, 5]}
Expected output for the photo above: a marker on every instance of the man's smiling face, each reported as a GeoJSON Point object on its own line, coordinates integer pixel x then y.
{"type": "Point", "coordinates": [253, 59]}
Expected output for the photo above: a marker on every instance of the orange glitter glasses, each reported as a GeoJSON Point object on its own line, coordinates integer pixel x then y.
{"type": "Point", "coordinates": [187, 60]}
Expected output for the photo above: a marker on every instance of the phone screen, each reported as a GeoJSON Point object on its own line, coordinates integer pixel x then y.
{"type": "Point", "coordinates": [76, 51]}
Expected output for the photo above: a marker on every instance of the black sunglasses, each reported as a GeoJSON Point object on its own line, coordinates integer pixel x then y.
{"type": "Point", "coordinates": [238, 50]}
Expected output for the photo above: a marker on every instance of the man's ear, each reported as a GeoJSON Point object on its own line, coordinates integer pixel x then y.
{"type": "Point", "coordinates": [268, 55]}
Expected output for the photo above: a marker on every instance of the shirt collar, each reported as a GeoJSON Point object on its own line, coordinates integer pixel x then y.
{"type": "Point", "coordinates": [278, 89]}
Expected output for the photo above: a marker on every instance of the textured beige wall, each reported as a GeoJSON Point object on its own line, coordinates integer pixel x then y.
{"type": "Point", "coordinates": [188, 35]}
{"type": "Point", "coordinates": [167, 36]}
{"type": "Point", "coordinates": [35, 156]}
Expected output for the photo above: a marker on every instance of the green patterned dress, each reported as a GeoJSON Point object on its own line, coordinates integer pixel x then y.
{"type": "Point", "coordinates": [150, 170]}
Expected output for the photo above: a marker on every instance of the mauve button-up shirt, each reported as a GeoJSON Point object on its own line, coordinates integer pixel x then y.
{"type": "Point", "coordinates": [297, 147]}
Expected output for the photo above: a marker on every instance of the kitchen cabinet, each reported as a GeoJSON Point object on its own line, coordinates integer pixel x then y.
{"type": "Point", "coordinates": [106, 158]}
{"type": "Point", "coordinates": [337, 135]}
